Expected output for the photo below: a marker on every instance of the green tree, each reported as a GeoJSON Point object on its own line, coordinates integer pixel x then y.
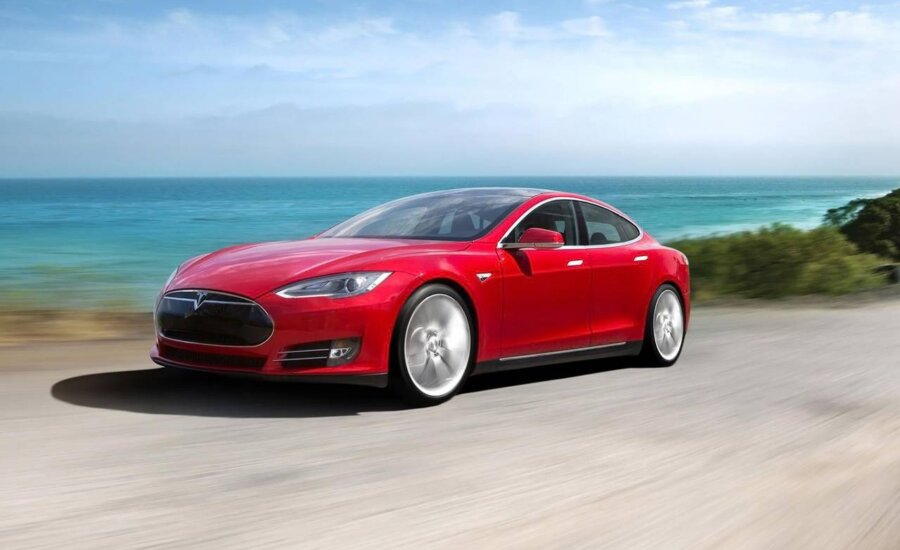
{"type": "Point", "coordinates": [873, 226]}
{"type": "Point", "coordinates": [843, 214]}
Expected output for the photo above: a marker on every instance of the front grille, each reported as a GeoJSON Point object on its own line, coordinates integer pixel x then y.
{"type": "Point", "coordinates": [314, 354]}
{"type": "Point", "coordinates": [201, 358]}
{"type": "Point", "coordinates": [208, 317]}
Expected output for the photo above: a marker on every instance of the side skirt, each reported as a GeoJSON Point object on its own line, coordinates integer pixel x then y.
{"type": "Point", "coordinates": [557, 357]}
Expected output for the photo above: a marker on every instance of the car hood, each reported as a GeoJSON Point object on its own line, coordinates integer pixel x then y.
{"type": "Point", "coordinates": [255, 269]}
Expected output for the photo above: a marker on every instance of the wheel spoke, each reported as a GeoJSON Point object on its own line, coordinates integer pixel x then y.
{"type": "Point", "coordinates": [417, 360]}
{"type": "Point", "coordinates": [441, 369]}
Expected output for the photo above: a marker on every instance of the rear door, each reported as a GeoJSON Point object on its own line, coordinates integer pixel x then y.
{"type": "Point", "coordinates": [619, 275]}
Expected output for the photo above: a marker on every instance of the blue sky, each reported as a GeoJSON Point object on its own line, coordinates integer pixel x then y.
{"type": "Point", "coordinates": [607, 87]}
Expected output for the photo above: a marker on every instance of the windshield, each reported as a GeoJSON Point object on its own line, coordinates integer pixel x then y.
{"type": "Point", "coordinates": [450, 215]}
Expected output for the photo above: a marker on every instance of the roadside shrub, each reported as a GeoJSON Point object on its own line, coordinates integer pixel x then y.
{"type": "Point", "coordinates": [777, 261]}
{"type": "Point", "coordinates": [873, 225]}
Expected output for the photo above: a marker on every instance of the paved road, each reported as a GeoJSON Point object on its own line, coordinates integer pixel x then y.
{"type": "Point", "coordinates": [777, 429]}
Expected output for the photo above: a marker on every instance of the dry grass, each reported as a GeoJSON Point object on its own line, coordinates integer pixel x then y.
{"type": "Point", "coordinates": [25, 326]}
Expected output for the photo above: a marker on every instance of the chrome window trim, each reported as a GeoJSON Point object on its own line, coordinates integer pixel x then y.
{"type": "Point", "coordinates": [165, 297]}
{"type": "Point", "coordinates": [574, 246]}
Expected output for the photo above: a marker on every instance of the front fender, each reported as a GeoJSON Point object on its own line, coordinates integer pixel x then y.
{"type": "Point", "coordinates": [474, 272]}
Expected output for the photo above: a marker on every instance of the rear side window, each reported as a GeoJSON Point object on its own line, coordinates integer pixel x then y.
{"type": "Point", "coordinates": [556, 216]}
{"type": "Point", "coordinates": [606, 227]}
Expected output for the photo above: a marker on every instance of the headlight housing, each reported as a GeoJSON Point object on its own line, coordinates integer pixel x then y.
{"type": "Point", "coordinates": [343, 285]}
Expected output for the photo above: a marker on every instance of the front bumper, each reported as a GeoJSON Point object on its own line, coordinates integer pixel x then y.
{"type": "Point", "coordinates": [300, 322]}
{"type": "Point", "coordinates": [373, 380]}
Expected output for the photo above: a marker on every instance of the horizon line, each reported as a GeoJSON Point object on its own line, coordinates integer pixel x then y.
{"type": "Point", "coordinates": [479, 176]}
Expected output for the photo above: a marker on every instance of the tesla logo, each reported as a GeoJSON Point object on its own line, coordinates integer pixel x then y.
{"type": "Point", "coordinates": [201, 296]}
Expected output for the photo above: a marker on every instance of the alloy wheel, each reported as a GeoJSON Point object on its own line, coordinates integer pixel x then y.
{"type": "Point", "coordinates": [668, 325]}
{"type": "Point", "coordinates": [437, 345]}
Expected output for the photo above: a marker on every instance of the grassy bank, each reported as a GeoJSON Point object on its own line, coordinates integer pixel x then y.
{"type": "Point", "coordinates": [778, 261]}
{"type": "Point", "coordinates": [843, 256]}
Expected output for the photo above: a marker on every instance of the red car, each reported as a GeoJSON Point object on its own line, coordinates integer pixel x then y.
{"type": "Point", "coordinates": [421, 292]}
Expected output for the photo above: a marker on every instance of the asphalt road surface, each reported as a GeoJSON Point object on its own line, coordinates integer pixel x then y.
{"type": "Point", "coordinates": [777, 429]}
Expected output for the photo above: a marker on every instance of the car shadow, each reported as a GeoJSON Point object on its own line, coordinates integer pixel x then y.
{"type": "Point", "coordinates": [168, 391]}
{"type": "Point", "coordinates": [506, 379]}
{"type": "Point", "coordinates": [171, 392]}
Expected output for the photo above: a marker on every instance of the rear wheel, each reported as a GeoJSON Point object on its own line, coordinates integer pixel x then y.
{"type": "Point", "coordinates": [434, 346]}
{"type": "Point", "coordinates": [664, 333]}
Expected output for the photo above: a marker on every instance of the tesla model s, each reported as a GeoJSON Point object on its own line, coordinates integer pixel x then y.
{"type": "Point", "coordinates": [422, 292]}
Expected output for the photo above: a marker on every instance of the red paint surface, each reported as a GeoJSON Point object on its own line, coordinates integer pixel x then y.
{"type": "Point", "coordinates": [533, 302]}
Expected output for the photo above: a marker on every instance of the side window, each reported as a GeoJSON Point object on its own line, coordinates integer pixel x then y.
{"type": "Point", "coordinates": [557, 216]}
{"type": "Point", "coordinates": [606, 227]}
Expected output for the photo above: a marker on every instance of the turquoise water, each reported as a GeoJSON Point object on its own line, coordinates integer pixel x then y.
{"type": "Point", "coordinates": [112, 242]}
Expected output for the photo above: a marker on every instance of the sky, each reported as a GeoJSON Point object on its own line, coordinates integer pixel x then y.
{"type": "Point", "coordinates": [585, 87]}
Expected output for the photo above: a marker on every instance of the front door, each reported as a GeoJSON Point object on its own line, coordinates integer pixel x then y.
{"type": "Point", "coordinates": [545, 291]}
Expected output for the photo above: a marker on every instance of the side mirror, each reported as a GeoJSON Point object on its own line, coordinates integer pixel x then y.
{"type": "Point", "coordinates": [536, 237]}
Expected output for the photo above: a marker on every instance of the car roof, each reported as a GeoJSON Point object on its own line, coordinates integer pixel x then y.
{"type": "Point", "coordinates": [522, 192]}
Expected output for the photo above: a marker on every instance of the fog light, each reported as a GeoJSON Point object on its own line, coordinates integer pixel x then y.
{"type": "Point", "coordinates": [343, 351]}
{"type": "Point", "coordinates": [339, 353]}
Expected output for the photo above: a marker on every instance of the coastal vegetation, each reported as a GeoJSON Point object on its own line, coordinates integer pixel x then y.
{"type": "Point", "coordinates": [777, 261]}
{"type": "Point", "coordinates": [873, 225]}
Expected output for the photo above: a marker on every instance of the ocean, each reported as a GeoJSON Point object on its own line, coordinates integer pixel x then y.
{"type": "Point", "coordinates": [110, 243]}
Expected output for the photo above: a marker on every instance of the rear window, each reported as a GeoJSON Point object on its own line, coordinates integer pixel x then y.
{"type": "Point", "coordinates": [606, 227]}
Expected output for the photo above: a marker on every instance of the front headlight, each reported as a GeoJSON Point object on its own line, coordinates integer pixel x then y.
{"type": "Point", "coordinates": [335, 286]}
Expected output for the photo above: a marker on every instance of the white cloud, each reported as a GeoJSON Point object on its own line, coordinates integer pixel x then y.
{"type": "Point", "coordinates": [553, 67]}
{"type": "Point", "coordinates": [509, 25]}
{"type": "Point", "coordinates": [588, 26]}
{"type": "Point", "coordinates": [689, 4]}
{"type": "Point", "coordinates": [487, 94]}
{"type": "Point", "coordinates": [838, 25]}
{"type": "Point", "coordinates": [365, 28]}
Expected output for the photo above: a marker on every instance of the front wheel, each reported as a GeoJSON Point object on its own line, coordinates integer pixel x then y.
{"type": "Point", "coordinates": [664, 333]}
{"type": "Point", "coordinates": [434, 349]}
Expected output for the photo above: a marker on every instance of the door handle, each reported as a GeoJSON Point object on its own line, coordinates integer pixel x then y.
{"type": "Point", "coordinates": [575, 263]}
{"type": "Point", "coordinates": [640, 258]}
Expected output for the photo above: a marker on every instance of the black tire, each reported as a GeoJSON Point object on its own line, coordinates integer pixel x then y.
{"type": "Point", "coordinates": [400, 381]}
{"type": "Point", "coordinates": [650, 354]}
